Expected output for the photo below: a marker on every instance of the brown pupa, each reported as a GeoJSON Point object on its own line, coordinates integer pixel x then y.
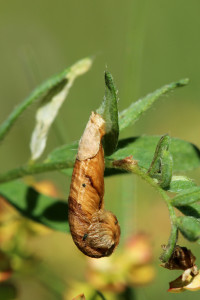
{"type": "Point", "coordinates": [94, 230]}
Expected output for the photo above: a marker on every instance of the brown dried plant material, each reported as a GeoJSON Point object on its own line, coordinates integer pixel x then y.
{"type": "Point", "coordinates": [192, 283]}
{"type": "Point", "coordinates": [182, 259]}
{"type": "Point", "coordinates": [94, 230]}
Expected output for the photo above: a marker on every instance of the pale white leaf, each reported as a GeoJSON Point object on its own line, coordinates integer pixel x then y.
{"type": "Point", "coordinates": [47, 113]}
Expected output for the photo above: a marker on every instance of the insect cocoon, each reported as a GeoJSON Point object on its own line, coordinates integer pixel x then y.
{"type": "Point", "coordinates": [94, 230]}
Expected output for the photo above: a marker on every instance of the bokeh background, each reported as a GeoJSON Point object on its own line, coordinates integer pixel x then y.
{"type": "Point", "coordinates": [144, 44]}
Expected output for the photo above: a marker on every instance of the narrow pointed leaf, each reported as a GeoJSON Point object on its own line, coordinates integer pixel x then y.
{"type": "Point", "coordinates": [130, 115]}
{"type": "Point", "coordinates": [51, 105]}
{"type": "Point", "coordinates": [189, 227]}
{"type": "Point", "coordinates": [38, 207]}
{"type": "Point", "coordinates": [180, 183]}
{"type": "Point", "coordinates": [109, 112]}
{"type": "Point", "coordinates": [37, 93]}
{"type": "Point", "coordinates": [188, 197]}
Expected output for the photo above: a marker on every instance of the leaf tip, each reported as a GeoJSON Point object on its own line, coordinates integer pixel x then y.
{"type": "Point", "coordinates": [80, 67]}
{"type": "Point", "coordinates": [182, 82]}
{"type": "Point", "coordinates": [108, 79]}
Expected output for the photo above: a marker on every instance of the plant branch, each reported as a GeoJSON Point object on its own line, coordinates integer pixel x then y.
{"type": "Point", "coordinates": [34, 169]}
{"type": "Point", "coordinates": [131, 165]}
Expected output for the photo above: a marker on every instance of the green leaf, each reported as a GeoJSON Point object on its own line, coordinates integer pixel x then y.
{"type": "Point", "coordinates": [185, 155]}
{"type": "Point", "coordinates": [187, 197]}
{"type": "Point", "coordinates": [191, 210]}
{"type": "Point", "coordinates": [109, 111]}
{"type": "Point", "coordinates": [42, 90]}
{"type": "Point", "coordinates": [130, 115]}
{"type": "Point", "coordinates": [64, 153]}
{"type": "Point", "coordinates": [38, 207]}
{"type": "Point", "coordinates": [50, 106]}
{"type": "Point", "coordinates": [180, 183]}
{"type": "Point", "coordinates": [189, 227]}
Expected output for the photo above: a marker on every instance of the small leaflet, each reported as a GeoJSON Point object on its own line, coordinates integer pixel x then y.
{"type": "Point", "coordinates": [180, 184]}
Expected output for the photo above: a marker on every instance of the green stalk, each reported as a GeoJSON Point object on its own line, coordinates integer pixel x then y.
{"type": "Point", "coordinates": [34, 169]}
{"type": "Point", "coordinates": [130, 165]}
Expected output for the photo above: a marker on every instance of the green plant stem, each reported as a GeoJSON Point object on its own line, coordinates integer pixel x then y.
{"type": "Point", "coordinates": [34, 169]}
{"type": "Point", "coordinates": [130, 165]}
{"type": "Point", "coordinates": [171, 244]}
{"type": "Point", "coordinates": [154, 184]}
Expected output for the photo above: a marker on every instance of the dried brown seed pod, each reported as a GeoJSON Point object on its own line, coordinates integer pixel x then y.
{"type": "Point", "coordinates": [181, 259]}
{"type": "Point", "coordinates": [94, 230]}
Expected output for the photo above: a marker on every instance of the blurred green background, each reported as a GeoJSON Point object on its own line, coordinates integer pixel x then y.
{"type": "Point", "coordinates": [144, 44]}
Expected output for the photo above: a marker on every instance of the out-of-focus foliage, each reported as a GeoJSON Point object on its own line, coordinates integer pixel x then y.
{"type": "Point", "coordinates": [16, 260]}
{"type": "Point", "coordinates": [113, 276]}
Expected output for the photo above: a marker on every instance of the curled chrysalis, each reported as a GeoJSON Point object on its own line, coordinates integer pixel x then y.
{"type": "Point", "coordinates": [94, 230]}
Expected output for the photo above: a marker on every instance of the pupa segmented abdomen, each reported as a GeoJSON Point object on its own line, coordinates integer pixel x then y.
{"type": "Point", "coordinates": [94, 230]}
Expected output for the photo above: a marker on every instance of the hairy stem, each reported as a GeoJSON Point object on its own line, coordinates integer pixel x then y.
{"type": "Point", "coordinates": [130, 165]}
{"type": "Point", "coordinates": [34, 169]}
